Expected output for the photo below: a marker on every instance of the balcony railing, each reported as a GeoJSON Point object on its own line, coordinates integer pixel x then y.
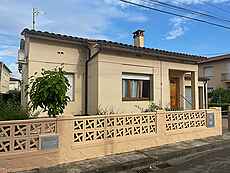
{"type": "Point", "coordinates": [225, 77]}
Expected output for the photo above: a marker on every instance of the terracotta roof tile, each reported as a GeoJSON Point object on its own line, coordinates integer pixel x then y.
{"type": "Point", "coordinates": [116, 44]}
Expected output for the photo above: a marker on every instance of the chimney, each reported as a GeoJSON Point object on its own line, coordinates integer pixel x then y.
{"type": "Point", "coordinates": [138, 38]}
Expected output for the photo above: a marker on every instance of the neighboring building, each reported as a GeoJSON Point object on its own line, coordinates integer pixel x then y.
{"type": "Point", "coordinates": [217, 70]}
{"type": "Point", "coordinates": [4, 78]}
{"type": "Point", "coordinates": [14, 84]}
{"type": "Point", "coordinates": [105, 74]}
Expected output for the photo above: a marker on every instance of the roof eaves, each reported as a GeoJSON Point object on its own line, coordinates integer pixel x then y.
{"type": "Point", "coordinates": [193, 58]}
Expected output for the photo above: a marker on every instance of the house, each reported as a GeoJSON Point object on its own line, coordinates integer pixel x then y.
{"type": "Point", "coordinates": [4, 78]}
{"type": "Point", "coordinates": [114, 76]}
{"type": "Point", "coordinates": [14, 84]}
{"type": "Point", "coordinates": [217, 69]}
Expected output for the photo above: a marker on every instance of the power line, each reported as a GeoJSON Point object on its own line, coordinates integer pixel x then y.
{"type": "Point", "coordinates": [219, 8]}
{"type": "Point", "coordinates": [188, 10]}
{"type": "Point", "coordinates": [176, 14]}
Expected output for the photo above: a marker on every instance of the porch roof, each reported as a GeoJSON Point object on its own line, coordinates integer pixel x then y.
{"type": "Point", "coordinates": [169, 55]}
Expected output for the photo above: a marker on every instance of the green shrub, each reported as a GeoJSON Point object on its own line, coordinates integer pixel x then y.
{"type": "Point", "coordinates": [152, 107]}
{"type": "Point", "coordinates": [48, 91]}
{"type": "Point", "coordinates": [12, 110]}
{"type": "Point", "coordinates": [220, 95]}
{"type": "Point", "coordinates": [220, 98]}
{"type": "Point", "coordinates": [224, 106]}
{"type": "Point", "coordinates": [12, 95]}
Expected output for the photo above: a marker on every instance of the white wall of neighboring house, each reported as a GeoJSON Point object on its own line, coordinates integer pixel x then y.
{"type": "Point", "coordinates": [14, 85]}
{"type": "Point", "coordinates": [217, 71]}
{"type": "Point", "coordinates": [4, 79]}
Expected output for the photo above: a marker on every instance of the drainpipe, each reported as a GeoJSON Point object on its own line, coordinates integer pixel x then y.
{"type": "Point", "coordinates": [86, 80]}
{"type": "Point", "coordinates": [161, 74]}
{"type": "Point", "coordinates": [89, 58]}
{"type": "Point", "coordinates": [205, 91]}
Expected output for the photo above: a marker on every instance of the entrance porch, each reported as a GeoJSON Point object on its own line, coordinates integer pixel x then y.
{"type": "Point", "coordinates": [186, 91]}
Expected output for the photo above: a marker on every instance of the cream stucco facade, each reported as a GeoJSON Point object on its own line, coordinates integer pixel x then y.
{"type": "Point", "coordinates": [98, 67]}
{"type": "Point", "coordinates": [217, 69]}
{"type": "Point", "coordinates": [4, 78]}
{"type": "Point", "coordinates": [110, 67]}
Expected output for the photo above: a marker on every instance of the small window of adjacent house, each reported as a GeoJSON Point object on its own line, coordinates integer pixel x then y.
{"type": "Point", "coordinates": [208, 72]}
{"type": "Point", "coordinates": [70, 91]}
{"type": "Point", "coordinates": [210, 89]}
{"type": "Point", "coordinates": [135, 87]}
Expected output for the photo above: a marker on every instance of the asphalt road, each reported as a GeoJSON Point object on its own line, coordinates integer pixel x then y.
{"type": "Point", "coordinates": [212, 161]}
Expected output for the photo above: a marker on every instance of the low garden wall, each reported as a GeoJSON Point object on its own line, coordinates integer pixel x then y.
{"type": "Point", "coordinates": [85, 137]}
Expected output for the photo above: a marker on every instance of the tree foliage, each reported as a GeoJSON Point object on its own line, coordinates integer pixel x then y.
{"type": "Point", "coordinates": [48, 91]}
{"type": "Point", "coordinates": [220, 96]}
{"type": "Point", "coordinates": [12, 110]}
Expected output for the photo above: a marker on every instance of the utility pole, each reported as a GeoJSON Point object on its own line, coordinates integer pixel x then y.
{"type": "Point", "coordinates": [35, 12]}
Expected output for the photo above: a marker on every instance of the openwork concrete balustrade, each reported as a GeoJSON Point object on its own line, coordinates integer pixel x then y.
{"type": "Point", "coordinates": [185, 120]}
{"type": "Point", "coordinates": [23, 136]}
{"type": "Point", "coordinates": [93, 128]}
{"type": "Point", "coordinates": [85, 137]}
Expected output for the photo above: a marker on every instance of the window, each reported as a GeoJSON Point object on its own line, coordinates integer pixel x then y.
{"type": "Point", "coordinates": [201, 97]}
{"type": "Point", "coordinates": [70, 91]}
{"type": "Point", "coordinates": [208, 72]}
{"type": "Point", "coordinates": [188, 97]}
{"type": "Point", "coordinates": [135, 87]}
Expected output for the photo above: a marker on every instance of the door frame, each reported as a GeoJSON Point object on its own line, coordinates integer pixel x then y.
{"type": "Point", "coordinates": [175, 80]}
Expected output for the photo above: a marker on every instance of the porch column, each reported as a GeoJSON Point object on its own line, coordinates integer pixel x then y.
{"type": "Point", "coordinates": [182, 91]}
{"type": "Point", "coordinates": [194, 84]}
{"type": "Point", "coordinates": [165, 87]}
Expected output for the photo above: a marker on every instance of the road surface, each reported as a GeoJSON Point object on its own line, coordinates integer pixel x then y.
{"type": "Point", "coordinates": [212, 161]}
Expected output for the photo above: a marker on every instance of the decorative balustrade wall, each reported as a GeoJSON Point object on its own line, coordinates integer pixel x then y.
{"type": "Point", "coordinates": [185, 120]}
{"type": "Point", "coordinates": [85, 137]}
{"type": "Point", "coordinates": [95, 128]}
{"type": "Point", "coordinates": [22, 136]}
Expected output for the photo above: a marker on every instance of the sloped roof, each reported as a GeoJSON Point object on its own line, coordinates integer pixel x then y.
{"type": "Point", "coordinates": [216, 58]}
{"type": "Point", "coordinates": [4, 65]}
{"type": "Point", "coordinates": [111, 44]}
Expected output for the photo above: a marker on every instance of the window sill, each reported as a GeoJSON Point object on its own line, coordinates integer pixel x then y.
{"type": "Point", "coordinates": [135, 99]}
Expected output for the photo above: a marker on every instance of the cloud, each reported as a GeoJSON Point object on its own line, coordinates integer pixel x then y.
{"type": "Point", "coordinates": [178, 28]}
{"type": "Point", "coordinates": [14, 68]}
{"type": "Point", "coordinates": [8, 51]}
{"type": "Point", "coordinates": [137, 18]}
{"type": "Point", "coordinates": [188, 2]}
{"type": "Point", "coordinates": [84, 18]}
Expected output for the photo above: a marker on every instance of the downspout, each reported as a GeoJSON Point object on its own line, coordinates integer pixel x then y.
{"type": "Point", "coordinates": [161, 94]}
{"type": "Point", "coordinates": [86, 80]}
{"type": "Point", "coordinates": [90, 57]}
{"type": "Point", "coordinates": [206, 95]}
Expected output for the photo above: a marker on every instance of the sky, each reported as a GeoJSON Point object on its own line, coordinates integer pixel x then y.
{"type": "Point", "coordinates": [114, 20]}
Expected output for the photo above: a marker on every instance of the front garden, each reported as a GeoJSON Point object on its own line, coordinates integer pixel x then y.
{"type": "Point", "coordinates": [47, 93]}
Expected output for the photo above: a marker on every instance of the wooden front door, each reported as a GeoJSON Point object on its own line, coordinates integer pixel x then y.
{"type": "Point", "coordinates": [174, 93]}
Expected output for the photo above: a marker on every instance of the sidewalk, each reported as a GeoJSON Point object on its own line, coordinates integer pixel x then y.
{"type": "Point", "coordinates": [126, 161]}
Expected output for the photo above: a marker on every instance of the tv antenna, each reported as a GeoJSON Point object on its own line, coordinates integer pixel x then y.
{"type": "Point", "coordinates": [35, 12]}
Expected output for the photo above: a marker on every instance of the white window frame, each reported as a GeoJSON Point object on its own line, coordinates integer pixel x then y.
{"type": "Point", "coordinates": [71, 89]}
{"type": "Point", "coordinates": [136, 77]}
